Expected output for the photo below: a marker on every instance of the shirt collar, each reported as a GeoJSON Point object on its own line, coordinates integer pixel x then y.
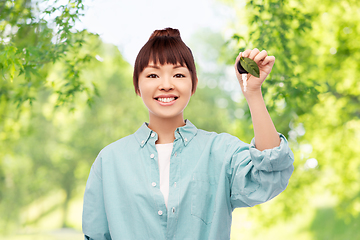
{"type": "Point", "coordinates": [185, 133]}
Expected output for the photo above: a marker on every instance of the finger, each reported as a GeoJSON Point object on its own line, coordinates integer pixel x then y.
{"type": "Point", "coordinates": [238, 58]}
{"type": "Point", "coordinates": [235, 65]}
{"type": "Point", "coordinates": [269, 60]}
{"type": "Point", "coordinates": [260, 57]}
{"type": "Point", "coordinates": [253, 53]}
{"type": "Point", "coordinates": [236, 61]}
{"type": "Point", "coordinates": [246, 53]}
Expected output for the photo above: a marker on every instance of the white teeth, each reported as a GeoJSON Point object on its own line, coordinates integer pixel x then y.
{"type": "Point", "coordinates": [166, 99]}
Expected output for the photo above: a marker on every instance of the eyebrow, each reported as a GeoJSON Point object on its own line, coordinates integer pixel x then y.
{"type": "Point", "coordinates": [157, 67]}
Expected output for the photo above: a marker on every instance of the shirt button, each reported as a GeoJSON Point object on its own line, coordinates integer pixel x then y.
{"type": "Point", "coordinates": [185, 139]}
{"type": "Point", "coordinates": [174, 184]}
{"type": "Point", "coordinates": [153, 135]}
{"type": "Point", "coordinates": [175, 154]}
{"type": "Point", "coordinates": [153, 184]}
{"type": "Point", "coordinates": [152, 155]}
{"type": "Point", "coordinates": [160, 212]}
{"type": "Point", "coordinates": [173, 210]}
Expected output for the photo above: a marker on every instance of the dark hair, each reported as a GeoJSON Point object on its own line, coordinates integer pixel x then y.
{"type": "Point", "coordinates": [165, 46]}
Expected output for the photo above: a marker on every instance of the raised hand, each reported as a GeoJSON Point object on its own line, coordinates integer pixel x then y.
{"type": "Point", "coordinates": [265, 64]}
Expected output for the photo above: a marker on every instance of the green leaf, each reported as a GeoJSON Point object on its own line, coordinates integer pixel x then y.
{"type": "Point", "coordinates": [250, 66]}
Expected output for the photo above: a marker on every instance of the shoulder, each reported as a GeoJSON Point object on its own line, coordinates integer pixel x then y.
{"type": "Point", "coordinates": [223, 141]}
{"type": "Point", "coordinates": [217, 136]}
{"type": "Point", "coordinates": [125, 143]}
{"type": "Point", "coordinates": [109, 154]}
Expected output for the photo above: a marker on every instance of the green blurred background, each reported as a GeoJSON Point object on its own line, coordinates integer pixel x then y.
{"type": "Point", "coordinates": [65, 94]}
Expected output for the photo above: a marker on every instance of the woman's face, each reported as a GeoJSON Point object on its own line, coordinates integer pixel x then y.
{"type": "Point", "coordinates": [165, 89]}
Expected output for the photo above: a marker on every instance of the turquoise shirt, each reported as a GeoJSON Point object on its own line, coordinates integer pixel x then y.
{"type": "Point", "coordinates": [210, 175]}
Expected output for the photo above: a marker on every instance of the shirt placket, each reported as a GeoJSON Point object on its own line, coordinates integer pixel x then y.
{"type": "Point", "coordinates": [160, 207]}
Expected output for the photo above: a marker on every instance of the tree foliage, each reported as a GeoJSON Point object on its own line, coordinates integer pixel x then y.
{"type": "Point", "coordinates": [41, 58]}
{"type": "Point", "coordinates": [54, 147]}
{"type": "Point", "coordinates": [34, 34]}
{"type": "Point", "coordinates": [313, 95]}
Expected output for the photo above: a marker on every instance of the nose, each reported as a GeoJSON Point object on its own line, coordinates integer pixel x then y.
{"type": "Point", "coordinates": [166, 84]}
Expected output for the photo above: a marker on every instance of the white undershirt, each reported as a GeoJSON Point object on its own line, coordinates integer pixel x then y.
{"type": "Point", "coordinates": [164, 154]}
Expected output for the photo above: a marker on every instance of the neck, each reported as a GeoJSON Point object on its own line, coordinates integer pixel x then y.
{"type": "Point", "coordinates": [165, 127]}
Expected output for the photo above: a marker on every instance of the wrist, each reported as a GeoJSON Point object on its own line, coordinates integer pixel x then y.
{"type": "Point", "coordinates": [251, 95]}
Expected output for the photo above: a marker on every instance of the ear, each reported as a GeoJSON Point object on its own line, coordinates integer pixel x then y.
{"type": "Point", "coordinates": [138, 92]}
{"type": "Point", "coordinates": [195, 86]}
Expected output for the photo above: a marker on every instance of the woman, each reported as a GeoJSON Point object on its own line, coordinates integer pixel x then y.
{"type": "Point", "coordinates": [170, 180]}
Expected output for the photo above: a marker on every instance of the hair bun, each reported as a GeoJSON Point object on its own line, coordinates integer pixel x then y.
{"type": "Point", "coordinates": [167, 32]}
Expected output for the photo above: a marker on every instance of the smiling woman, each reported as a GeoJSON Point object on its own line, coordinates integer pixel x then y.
{"type": "Point", "coordinates": [170, 180]}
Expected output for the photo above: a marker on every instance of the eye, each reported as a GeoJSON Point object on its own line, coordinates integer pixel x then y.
{"type": "Point", "coordinates": [179, 75]}
{"type": "Point", "coordinates": [152, 76]}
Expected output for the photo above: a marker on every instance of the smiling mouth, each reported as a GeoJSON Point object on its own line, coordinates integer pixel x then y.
{"type": "Point", "coordinates": [166, 100]}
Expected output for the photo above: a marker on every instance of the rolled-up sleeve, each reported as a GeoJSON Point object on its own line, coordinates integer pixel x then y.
{"type": "Point", "coordinates": [258, 176]}
{"type": "Point", "coordinates": [94, 220]}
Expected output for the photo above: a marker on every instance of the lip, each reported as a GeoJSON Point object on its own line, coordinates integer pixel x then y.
{"type": "Point", "coordinates": [166, 96]}
{"type": "Point", "coordinates": [166, 103]}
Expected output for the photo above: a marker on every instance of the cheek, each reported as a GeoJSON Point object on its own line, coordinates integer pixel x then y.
{"type": "Point", "coordinates": [142, 88]}
{"type": "Point", "coordinates": [189, 89]}
{"type": "Point", "coordinates": [185, 86]}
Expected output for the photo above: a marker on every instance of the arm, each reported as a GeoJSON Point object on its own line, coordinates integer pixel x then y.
{"type": "Point", "coordinates": [262, 173]}
{"type": "Point", "coordinates": [266, 136]}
